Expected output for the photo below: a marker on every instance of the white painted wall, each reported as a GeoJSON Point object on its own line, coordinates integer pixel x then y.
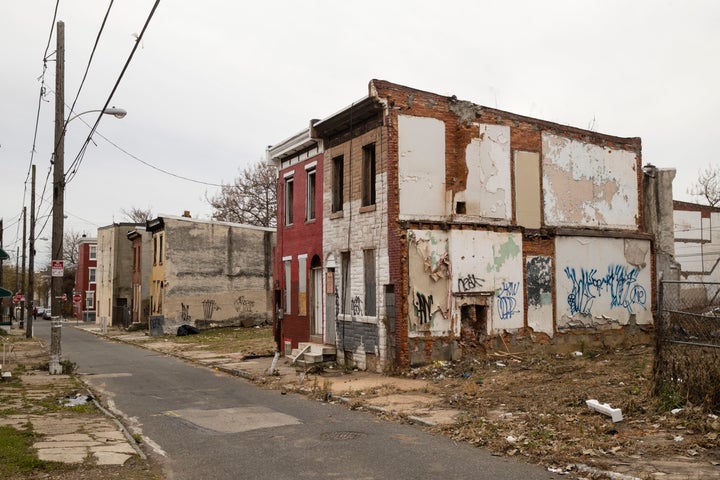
{"type": "Point", "coordinates": [688, 225]}
{"type": "Point", "coordinates": [601, 281]}
{"type": "Point", "coordinates": [587, 185]}
{"type": "Point", "coordinates": [441, 263]}
{"type": "Point", "coordinates": [421, 167]}
{"type": "Point", "coordinates": [538, 283]}
{"type": "Point", "coordinates": [493, 262]}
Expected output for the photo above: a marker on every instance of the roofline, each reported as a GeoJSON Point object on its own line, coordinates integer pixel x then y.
{"type": "Point", "coordinates": [161, 218]}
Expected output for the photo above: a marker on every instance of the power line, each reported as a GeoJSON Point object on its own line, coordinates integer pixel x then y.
{"type": "Point", "coordinates": [79, 158]}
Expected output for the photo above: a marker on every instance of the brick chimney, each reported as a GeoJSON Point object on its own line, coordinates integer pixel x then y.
{"type": "Point", "coordinates": [186, 214]}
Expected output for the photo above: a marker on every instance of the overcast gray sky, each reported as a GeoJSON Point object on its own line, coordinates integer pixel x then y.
{"type": "Point", "coordinates": [214, 83]}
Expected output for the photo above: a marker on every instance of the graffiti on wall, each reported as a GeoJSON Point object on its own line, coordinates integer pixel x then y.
{"type": "Point", "coordinates": [243, 305]}
{"type": "Point", "coordinates": [506, 300]}
{"type": "Point", "coordinates": [620, 283]}
{"type": "Point", "coordinates": [423, 307]}
{"type": "Point", "coordinates": [539, 281]}
{"type": "Point", "coordinates": [356, 304]}
{"type": "Point", "coordinates": [469, 282]}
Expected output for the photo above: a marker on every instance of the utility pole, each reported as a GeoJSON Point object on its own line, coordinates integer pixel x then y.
{"type": "Point", "coordinates": [31, 280]}
{"type": "Point", "coordinates": [17, 277]}
{"type": "Point", "coordinates": [58, 202]}
{"type": "Point", "coordinates": [22, 280]}
{"type": "Point", "coordinates": [58, 170]}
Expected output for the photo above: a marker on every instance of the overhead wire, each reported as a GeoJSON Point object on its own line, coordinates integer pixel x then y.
{"type": "Point", "coordinates": [37, 115]}
{"type": "Point", "coordinates": [87, 70]}
{"type": "Point", "coordinates": [81, 154]}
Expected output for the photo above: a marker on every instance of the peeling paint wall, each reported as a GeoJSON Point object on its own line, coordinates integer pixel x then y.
{"type": "Point", "coordinates": [602, 282]}
{"type": "Point", "coordinates": [421, 167]}
{"type": "Point", "coordinates": [429, 277]}
{"type": "Point", "coordinates": [491, 263]}
{"type": "Point", "coordinates": [586, 185]}
{"type": "Point", "coordinates": [538, 281]}
{"type": "Point", "coordinates": [487, 157]}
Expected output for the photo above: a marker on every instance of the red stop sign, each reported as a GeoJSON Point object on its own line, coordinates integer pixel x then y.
{"type": "Point", "coordinates": [77, 298]}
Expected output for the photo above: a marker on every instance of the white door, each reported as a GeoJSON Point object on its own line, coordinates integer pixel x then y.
{"type": "Point", "coordinates": [317, 300]}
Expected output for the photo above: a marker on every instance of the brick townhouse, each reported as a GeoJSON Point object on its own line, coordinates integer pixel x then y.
{"type": "Point", "coordinates": [448, 226]}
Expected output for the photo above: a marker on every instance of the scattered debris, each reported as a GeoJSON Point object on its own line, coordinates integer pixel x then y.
{"type": "Point", "coordinates": [75, 400]}
{"type": "Point", "coordinates": [614, 413]}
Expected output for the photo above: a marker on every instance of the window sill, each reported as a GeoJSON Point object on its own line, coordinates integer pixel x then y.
{"type": "Point", "coordinates": [312, 220]}
{"type": "Point", "coordinates": [336, 215]}
{"type": "Point", "coordinates": [367, 208]}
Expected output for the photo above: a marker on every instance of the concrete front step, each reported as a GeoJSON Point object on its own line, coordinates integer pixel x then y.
{"type": "Point", "coordinates": [309, 353]}
{"type": "Point", "coordinates": [318, 348]}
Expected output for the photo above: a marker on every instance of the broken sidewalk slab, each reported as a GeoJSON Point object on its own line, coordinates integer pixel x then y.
{"type": "Point", "coordinates": [613, 413]}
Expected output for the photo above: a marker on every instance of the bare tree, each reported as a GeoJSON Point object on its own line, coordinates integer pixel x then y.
{"type": "Point", "coordinates": [708, 185]}
{"type": "Point", "coordinates": [250, 199]}
{"type": "Point", "coordinates": [137, 215]}
{"type": "Point", "coordinates": [71, 240]}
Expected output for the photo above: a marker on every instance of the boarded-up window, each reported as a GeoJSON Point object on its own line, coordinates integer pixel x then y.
{"type": "Point", "coordinates": [302, 285]}
{"type": "Point", "coordinates": [345, 283]}
{"type": "Point", "coordinates": [289, 201]}
{"type": "Point", "coordinates": [310, 196]}
{"type": "Point", "coordinates": [527, 189]}
{"type": "Point", "coordinates": [368, 175]}
{"type": "Point", "coordinates": [287, 265]}
{"type": "Point", "coordinates": [370, 292]}
{"type": "Point", "coordinates": [337, 183]}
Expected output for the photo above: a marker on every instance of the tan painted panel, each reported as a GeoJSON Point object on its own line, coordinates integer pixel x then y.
{"type": "Point", "coordinates": [527, 189]}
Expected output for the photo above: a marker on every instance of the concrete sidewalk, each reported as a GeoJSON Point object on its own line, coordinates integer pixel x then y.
{"type": "Point", "coordinates": [33, 401]}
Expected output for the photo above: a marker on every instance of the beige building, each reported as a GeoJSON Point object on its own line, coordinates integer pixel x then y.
{"type": "Point", "coordinates": [208, 273]}
{"type": "Point", "coordinates": [114, 274]}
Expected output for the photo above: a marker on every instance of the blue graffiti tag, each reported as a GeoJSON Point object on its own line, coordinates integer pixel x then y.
{"type": "Point", "coordinates": [620, 282]}
{"type": "Point", "coordinates": [506, 301]}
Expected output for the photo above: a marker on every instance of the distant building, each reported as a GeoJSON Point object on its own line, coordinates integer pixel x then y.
{"type": "Point", "coordinates": [86, 280]}
{"type": "Point", "coordinates": [114, 274]}
{"type": "Point", "coordinates": [209, 273]}
{"type": "Point", "coordinates": [449, 226]}
{"type": "Point", "coordinates": [140, 240]}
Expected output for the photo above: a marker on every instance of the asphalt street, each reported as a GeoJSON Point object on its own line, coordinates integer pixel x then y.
{"type": "Point", "coordinates": [204, 424]}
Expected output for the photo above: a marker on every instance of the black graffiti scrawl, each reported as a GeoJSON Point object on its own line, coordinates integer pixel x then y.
{"type": "Point", "coordinates": [539, 281]}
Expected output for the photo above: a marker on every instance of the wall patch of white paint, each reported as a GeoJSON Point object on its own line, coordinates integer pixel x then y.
{"type": "Point", "coordinates": [586, 185]}
{"type": "Point", "coordinates": [490, 263]}
{"type": "Point", "coordinates": [421, 167]}
{"type": "Point", "coordinates": [596, 285]}
{"type": "Point", "coordinates": [428, 271]}
{"type": "Point", "coordinates": [488, 182]}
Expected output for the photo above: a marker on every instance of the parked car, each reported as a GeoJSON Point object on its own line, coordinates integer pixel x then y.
{"type": "Point", "coordinates": [47, 314]}
{"type": "Point", "coordinates": [41, 311]}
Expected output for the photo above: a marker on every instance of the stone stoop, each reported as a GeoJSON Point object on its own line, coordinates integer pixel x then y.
{"type": "Point", "coordinates": [308, 354]}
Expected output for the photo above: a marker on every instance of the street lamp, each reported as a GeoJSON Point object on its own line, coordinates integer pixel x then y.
{"type": "Point", "coordinates": [114, 111]}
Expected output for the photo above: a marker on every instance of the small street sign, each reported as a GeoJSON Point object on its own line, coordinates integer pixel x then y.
{"type": "Point", "coordinates": [57, 268]}
{"type": "Point", "coordinates": [64, 297]}
{"type": "Point", "coordinates": [77, 298]}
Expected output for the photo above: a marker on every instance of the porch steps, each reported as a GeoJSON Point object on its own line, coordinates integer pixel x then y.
{"type": "Point", "coordinates": [308, 354]}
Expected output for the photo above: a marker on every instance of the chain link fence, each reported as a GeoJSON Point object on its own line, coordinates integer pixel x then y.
{"type": "Point", "coordinates": [687, 360]}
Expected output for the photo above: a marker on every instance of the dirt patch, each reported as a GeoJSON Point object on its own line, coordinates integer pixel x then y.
{"type": "Point", "coordinates": [534, 406]}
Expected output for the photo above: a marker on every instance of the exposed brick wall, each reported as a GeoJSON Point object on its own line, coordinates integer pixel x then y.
{"type": "Point", "coordinates": [459, 117]}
